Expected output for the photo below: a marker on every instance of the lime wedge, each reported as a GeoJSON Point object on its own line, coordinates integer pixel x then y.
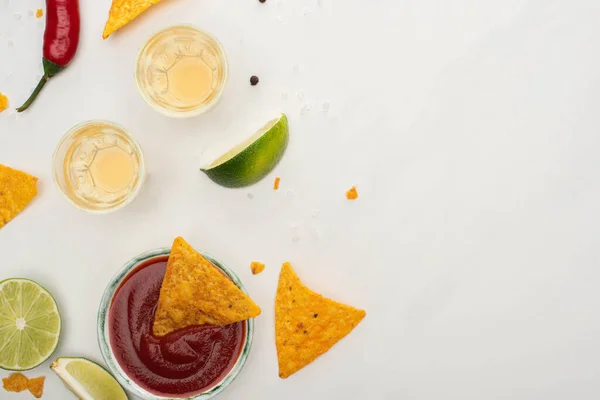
{"type": "Point", "coordinates": [252, 160]}
{"type": "Point", "coordinates": [87, 380]}
{"type": "Point", "coordinates": [29, 324]}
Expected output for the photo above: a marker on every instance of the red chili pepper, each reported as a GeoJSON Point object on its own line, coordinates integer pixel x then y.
{"type": "Point", "coordinates": [61, 39]}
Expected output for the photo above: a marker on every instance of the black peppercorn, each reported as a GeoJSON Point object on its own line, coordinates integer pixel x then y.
{"type": "Point", "coordinates": [254, 80]}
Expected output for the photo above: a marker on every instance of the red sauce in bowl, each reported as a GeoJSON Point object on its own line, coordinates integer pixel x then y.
{"type": "Point", "coordinates": [181, 364]}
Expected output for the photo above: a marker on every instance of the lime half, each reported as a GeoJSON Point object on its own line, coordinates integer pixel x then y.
{"type": "Point", "coordinates": [29, 324]}
{"type": "Point", "coordinates": [252, 160]}
{"type": "Point", "coordinates": [87, 380]}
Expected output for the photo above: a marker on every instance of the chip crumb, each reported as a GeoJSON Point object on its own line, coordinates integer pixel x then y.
{"type": "Point", "coordinates": [276, 183]}
{"type": "Point", "coordinates": [3, 102]}
{"type": "Point", "coordinates": [257, 267]}
{"type": "Point", "coordinates": [39, 13]}
{"type": "Point", "coordinates": [15, 383]}
{"type": "Point", "coordinates": [352, 194]}
{"type": "Point", "coordinates": [36, 386]}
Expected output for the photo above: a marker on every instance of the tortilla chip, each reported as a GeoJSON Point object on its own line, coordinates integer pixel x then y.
{"type": "Point", "coordinates": [195, 292]}
{"type": "Point", "coordinates": [306, 323]}
{"type": "Point", "coordinates": [123, 12]}
{"type": "Point", "coordinates": [36, 386]}
{"type": "Point", "coordinates": [17, 189]}
{"type": "Point", "coordinates": [3, 102]}
{"type": "Point", "coordinates": [15, 383]}
{"type": "Point", "coordinates": [257, 267]}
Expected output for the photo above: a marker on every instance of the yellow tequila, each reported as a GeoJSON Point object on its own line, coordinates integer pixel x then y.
{"type": "Point", "coordinates": [99, 167]}
{"type": "Point", "coordinates": [181, 71]}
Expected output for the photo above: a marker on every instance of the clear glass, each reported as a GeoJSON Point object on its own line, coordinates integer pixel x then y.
{"type": "Point", "coordinates": [104, 338]}
{"type": "Point", "coordinates": [181, 71]}
{"type": "Point", "coordinates": [99, 167]}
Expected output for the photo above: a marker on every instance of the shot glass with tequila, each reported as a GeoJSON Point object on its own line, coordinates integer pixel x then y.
{"type": "Point", "coordinates": [99, 167]}
{"type": "Point", "coordinates": [181, 71]}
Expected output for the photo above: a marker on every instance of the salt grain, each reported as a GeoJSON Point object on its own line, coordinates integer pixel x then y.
{"type": "Point", "coordinates": [295, 234]}
{"type": "Point", "coordinates": [305, 108]}
{"type": "Point", "coordinates": [316, 234]}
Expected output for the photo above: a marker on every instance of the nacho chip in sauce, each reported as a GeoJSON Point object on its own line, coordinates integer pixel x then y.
{"type": "Point", "coordinates": [195, 292]}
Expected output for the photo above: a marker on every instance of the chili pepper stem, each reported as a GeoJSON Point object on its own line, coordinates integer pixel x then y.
{"type": "Point", "coordinates": [50, 69]}
{"type": "Point", "coordinates": [35, 93]}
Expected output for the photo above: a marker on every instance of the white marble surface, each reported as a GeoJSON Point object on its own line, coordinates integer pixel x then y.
{"type": "Point", "coordinates": [470, 128]}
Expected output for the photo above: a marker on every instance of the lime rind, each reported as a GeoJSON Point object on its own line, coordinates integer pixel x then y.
{"type": "Point", "coordinates": [245, 144]}
{"type": "Point", "coordinates": [23, 346]}
{"type": "Point", "coordinates": [249, 162]}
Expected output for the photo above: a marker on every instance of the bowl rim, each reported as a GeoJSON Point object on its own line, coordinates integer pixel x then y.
{"type": "Point", "coordinates": [104, 338]}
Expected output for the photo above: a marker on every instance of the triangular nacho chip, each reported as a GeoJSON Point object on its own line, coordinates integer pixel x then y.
{"type": "Point", "coordinates": [306, 323]}
{"type": "Point", "coordinates": [195, 292]}
{"type": "Point", "coordinates": [17, 189]}
{"type": "Point", "coordinates": [123, 12]}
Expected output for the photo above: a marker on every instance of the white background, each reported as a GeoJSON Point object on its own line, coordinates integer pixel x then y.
{"type": "Point", "coordinates": [470, 128]}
